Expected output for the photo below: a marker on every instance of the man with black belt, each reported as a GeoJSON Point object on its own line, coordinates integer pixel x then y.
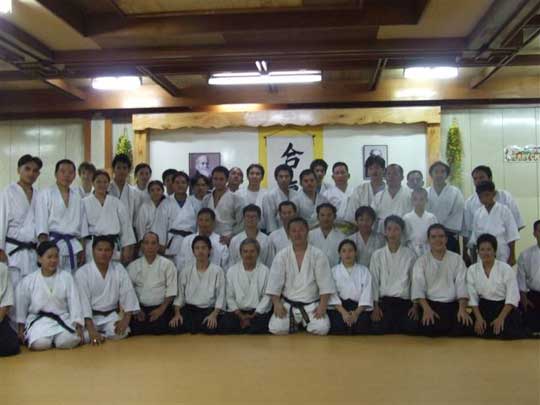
{"type": "Point", "coordinates": [529, 283]}
{"type": "Point", "coordinates": [446, 203]}
{"type": "Point", "coordinates": [104, 287]}
{"type": "Point", "coordinates": [17, 219]}
{"type": "Point", "coordinates": [156, 283]}
{"type": "Point", "coordinates": [300, 285]}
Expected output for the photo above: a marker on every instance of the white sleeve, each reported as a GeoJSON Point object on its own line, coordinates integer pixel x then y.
{"type": "Point", "coordinates": [84, 294]}
{"type": "Point", "coordinates": [276, 279]}
{"type": "Point", "coordinates": [512, 232]}
{"type": "Point", "coordinates": [455, 216]}
{"type": "Point", "coordinates": [127, 236]}
{"type": "Point", "coordinates": [323, 275]}
{"type": "Point", "coordinates": [418, 285]}
{"type": "Point", "coordinates": [221, 299]}
{"type": "Point", "coordinates": [171, 276]}
{"type": "Point", "coordinates": [42, 213]}
{"type": "Point", "coordinates": [6, 287]}
{"type": "Point", "coordinates": [269, 214]}
{"type": "Point", "coordinates": [514, 209]}
{"type": "Point", "coordinates": [471, 287]}
{"type": "Point", "coordinates": [128, 298]}
{"type": "Point", "coordinates": [231, 299]}
{"type": "Point", "coordinates": [522, 273]}
{"type": "Point", "coordinates": [161, 223]}
{"type": "Point", "coordinates": [461, 280]}
{"type": "Point", "coordinates": [22, 302]}
{"type": "Point", "coordinates": [4, 215]}
{"type": "Point", "coordinates": [512, 290]}
{"type": "Point", "coordinates": [74, 303]}
{"type": "Point", "coordinates": [265, 303]}
{"type": "Point", "coordinates": [179, 301]}
{"type": "Point", "coordinates": [366, 296]}
{"type": "Point", "coordinates": [374, 269]}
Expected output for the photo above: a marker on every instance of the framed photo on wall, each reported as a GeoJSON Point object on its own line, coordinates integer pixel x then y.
{"type": "Point", "coordinates": [373, 150]}
{"type": "Point", "coordinates": [203, 163]}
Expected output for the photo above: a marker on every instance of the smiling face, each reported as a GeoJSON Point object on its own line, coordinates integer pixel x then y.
{"type": "Point", "coordinates": [65, 174]}
{"type": "Point", "coordinates": [29, 173]}
{"type": "Point", "coordinates": [101, 184]}
{"type": "Point", "coordinates": [340, 175]}
{"type": "Point", "coordinates": [49, 259]}
{"type": "Point", "coordinates": [156, 193]}
{"type": "Point", "coordinates": [143, 177]}
{"type": "Point", "coordinates": [437, 240]}
{"type": "Point", "coordinates": [486, 252]}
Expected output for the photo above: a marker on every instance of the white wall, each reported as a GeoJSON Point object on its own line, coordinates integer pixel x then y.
{"type": "Point", "coordinates": [51, 140]}
{"type": "Point", "coordinates": [485, 133]}
{"type": "Point", "coordinates": [239, 146]}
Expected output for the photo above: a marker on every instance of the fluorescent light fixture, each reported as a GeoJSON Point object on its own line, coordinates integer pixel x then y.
{"type": "Point", "coordinates": [254, 78]}
{"type": "Point", "coordinates": [5, 6]}
{"type": "Point", "coordinates": [116, 83]}
{"type": "Point", "coordinates": [442, 72]}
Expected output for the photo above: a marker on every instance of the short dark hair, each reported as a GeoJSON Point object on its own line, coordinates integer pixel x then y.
{"type": "Point", "coordinates": [338, 164]}
{"type": "Point", "coordinates": [103, 238]}
{"type": "Point", "coordinates": [88, 166]}
{"type": "Point", "coordinates": [432, 227]}
{"type": "Point", "coordinates": [181, 174]}
{"type": "Point", "coordinates": [287, 203]}
{"type": "Point", "coordinates": [155, 183]}
{"type": "Point", "coordinates": [252, 208]}
{"type": "Point", "coordinates": [197, 177]}
{"type": "Point", "coordinates": [440, 163]}
{"type": "Point", "coordinates": [326, 205]}
{"type": "Point", "coordinates": [395, 165]}
{"type": "Point", "coordinates": [255, 166]}
{"type": "Point", "coordinates": [318, 162]}
{"type": "Point", "coordinates": [487, 185]}
{"type": "Point", "coordinates": [250, 241]}
{"type": "Point", "coordinates": [365, 209]}
{"type": "Point", "coordinates": [394, 219]}
{"type": "Point", "coordinates": [150, 233]}
{"type": "Point", "coordinates": [487, 238]}
{"type": "Point", "coordinates": [141, 166]}
{"type": "Point", "coordinates": [121, 158]}
{"type": "Point", "coordinates": [297, 220]}
{"type": "Point", "coordinates": [207, 211]}
{"type": "Point", "coordinates": [283, 167]}
{"type": "Point", "coordinates": [64, 162]}
{"type": "Point", "coordinates": [98, 173]}
{"type": "Point", "coordinates": [168, 173]}
{"type": "Point", "coordinates": [201, 238]}
{"type": "Point", "coordinates": [375, 160]}
{"type": "Point", "coordinates": [485, 169]}
{"type": "Point", "coordinates": [347, 242]}
{"type": "Point", "coordinates": [307, 172]}
{"type": "Point", "coordinates": [414, 172]}
{"type": "Point", "coordinates": [221, 169]}
{"type": "Point", "coordinates": [24, 159]}
{"type": "Point", "coordinates": [44, 246]}
{"type": "Point", "coordinates": [536, 224]}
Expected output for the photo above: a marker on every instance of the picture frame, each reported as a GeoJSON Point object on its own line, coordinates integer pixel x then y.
{"type": "Point", "coordinates": [371, 150]}
{"type": "Point", "coordinates": [203, 163]}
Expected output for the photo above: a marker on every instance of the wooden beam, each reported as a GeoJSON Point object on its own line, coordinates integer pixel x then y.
{"type": "Point", "coordinates": [374, 13]}
{"type": "Point", "coordinates": [433, 139]}
{"type": "Point", "coordinates": [87, 140]}
{"type": "Point", "coordinates": [161, 81]}
{"type": "Point", "coordinates": [108, 145]}
{"type": "Point", "coordinates": [19, 38]}
{"type": "Point", "coordinates": [68, 12]}
{"type": "Point", "coordinates": [141, 147]}
{"type": "Point", "coordinates": [66, 88]}
{"type": "Point", "coordinates": [377, 72]}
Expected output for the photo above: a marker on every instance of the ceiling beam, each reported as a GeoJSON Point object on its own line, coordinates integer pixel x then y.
{"type": "Point", "coordinates": [161, 81]}
{"type": "Point", "coordinates": [373, 13]}
{"type": "Point", "coordinates": [65, 88]}
{"type": "Point", "coordinates": [68, 12]}
{"type": "Point", "coordinates": [18, 38]}
{"type": "Point", "coordinates": [377, 72]}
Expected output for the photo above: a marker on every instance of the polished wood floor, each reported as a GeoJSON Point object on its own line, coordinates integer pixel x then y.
{"type": "Point", "coordinates": [297, 369]}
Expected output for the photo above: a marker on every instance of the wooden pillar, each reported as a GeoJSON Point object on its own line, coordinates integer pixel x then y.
{"type": "Point", "coordinates": [433, 138]}
{"type": "Point", "coordinates": [141, 146]}
{"type": "Point", "coordinates": [87, 140]}
{"type": "Point", "coordinates": [108, 142]}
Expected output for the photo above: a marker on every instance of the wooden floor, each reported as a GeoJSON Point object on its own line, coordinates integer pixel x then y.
{"type": "Point", "coordinates": [296, 369]}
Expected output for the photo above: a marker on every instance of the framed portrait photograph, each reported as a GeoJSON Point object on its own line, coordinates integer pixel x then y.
{"type": "Point", "coordinates": [373, 150]}
{"type": "Point", "coordinates": [203, 163]}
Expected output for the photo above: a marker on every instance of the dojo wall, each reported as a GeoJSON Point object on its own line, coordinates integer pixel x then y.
{"type": "Point", "coordinates": [485, 133]}
{"type": "Point", "coordinates": [51, 140]}
{"type": "Point", "coordinates": [239, 146]}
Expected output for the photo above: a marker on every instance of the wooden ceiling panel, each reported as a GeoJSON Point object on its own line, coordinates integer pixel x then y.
{"type": "Point", "coordinates": [23, 85]}
{"type": "Point", "coordinates": [133, 7]}
{"type": "Point", "coordinates": [441, 19]}
{"type": "Point", "coordinates": [185, 81]}
{"type": "Point", "coordinates": [161, 38]}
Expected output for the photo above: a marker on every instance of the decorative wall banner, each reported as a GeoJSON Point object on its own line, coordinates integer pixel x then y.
{"type": "Point", "coordinates": [527, 153]}
{"type": "Point", "coordinates": [294, 146]}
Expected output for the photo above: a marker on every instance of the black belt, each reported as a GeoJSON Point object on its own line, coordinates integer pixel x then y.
{"type": "Point", "coordinates": [102, 313]}
{"type": "Point", "coordinates": [300, 306]}
{"type": "Point", "coordinates": [60, 321]}
{"type": "Point", "coordinates": [177, 232]}
{"type": "Point", "coordinates": [20, 245]}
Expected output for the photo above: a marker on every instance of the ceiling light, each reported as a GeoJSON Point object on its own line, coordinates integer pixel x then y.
{"type": "Point", "coordinates": [441, 72]}
{"type": "Point", "coordinates": [253, 78]}
{"type": "Point", "coordinates": [5, 6]}
{"type": "Point", "coordinates": [116, 83]}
